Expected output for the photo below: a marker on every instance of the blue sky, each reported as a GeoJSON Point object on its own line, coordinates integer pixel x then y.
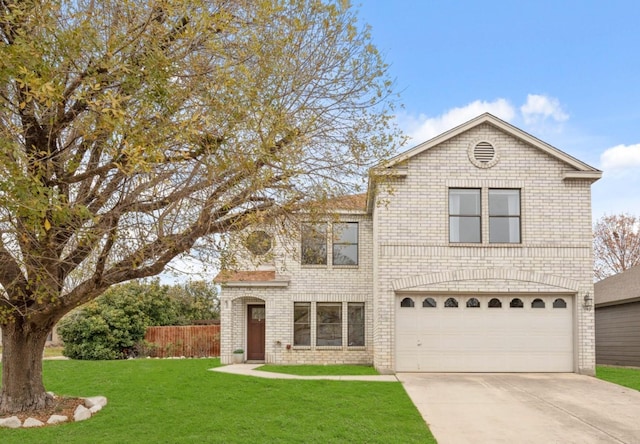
{"type": "Point", "coordinates": [567, 72]}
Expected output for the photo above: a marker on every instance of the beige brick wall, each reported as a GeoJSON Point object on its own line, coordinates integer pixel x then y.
{"type": "Point", "coordinates": [326, 283]}
{"type": "Point", "coordinates": [404, 247]}
{"type": "Point", "coordinates": [412, 240]}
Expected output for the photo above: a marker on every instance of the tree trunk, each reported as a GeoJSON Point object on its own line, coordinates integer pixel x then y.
{"type": "Point", "coordinates": [22, 386]}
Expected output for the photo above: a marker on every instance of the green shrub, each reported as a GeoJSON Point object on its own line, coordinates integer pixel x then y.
{"type": "Point", "coordinates": [113, 325]}
{"type": "Point", "coordinates": [195, 300]}
{"type": "Point", "coordinates": [87, 335]}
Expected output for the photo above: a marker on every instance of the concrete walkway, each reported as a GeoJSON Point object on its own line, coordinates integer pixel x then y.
{"type": "Point", "coordinates": [250, 370]}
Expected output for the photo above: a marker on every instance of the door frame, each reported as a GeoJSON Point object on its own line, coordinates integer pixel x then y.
{"type": "Point", "coordinates": [259, 353]}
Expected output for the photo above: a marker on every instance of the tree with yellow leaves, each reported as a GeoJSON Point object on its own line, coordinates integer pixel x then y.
{"type": "Point", "coordinates": [133, 131]}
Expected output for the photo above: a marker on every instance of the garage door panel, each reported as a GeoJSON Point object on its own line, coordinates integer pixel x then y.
{"type": "Point", "coordinates": [485, 339]}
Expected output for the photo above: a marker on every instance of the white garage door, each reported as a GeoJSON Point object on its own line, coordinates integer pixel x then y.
{"type": "Point", "coordinates": [484, 333]}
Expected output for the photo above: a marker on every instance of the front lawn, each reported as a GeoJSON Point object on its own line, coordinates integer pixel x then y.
{"type": "Point", "coordinates": [628, 377]}
{"type": "Point", "coordinates": [320, 370]}
{"type": "Point", "coordinates": [175, 401]}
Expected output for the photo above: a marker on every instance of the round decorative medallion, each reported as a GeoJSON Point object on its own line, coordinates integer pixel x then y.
{"type": "Point", "coordinates": [258, 242]}
{"type": "Point", "coordinates": [483, 153]}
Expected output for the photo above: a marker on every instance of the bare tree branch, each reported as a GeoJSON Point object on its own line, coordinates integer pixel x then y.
{"type": "Point", "coordinates": [616, 244]}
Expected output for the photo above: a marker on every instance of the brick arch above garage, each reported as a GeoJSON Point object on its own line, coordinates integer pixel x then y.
{"type": "Point", "coordinates": [487, 280]}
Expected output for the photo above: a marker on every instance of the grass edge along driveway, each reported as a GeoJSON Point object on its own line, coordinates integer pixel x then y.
{"type": "Point", "coordinates": [625, 376]}
{"type": "Point", "coordinates": [175, 401]}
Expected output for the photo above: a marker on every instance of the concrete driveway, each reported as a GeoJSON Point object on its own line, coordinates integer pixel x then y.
{"type": "Point", "coordinates": [524, 408]}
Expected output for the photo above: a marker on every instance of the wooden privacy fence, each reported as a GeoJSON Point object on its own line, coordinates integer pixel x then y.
{"type": "Point", "coordinates": [188, 341]}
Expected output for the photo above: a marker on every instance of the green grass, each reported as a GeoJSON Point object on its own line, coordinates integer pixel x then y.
{"type": "Point", "coordinates": [50, 352]}
{"type": "Point", "coordinates": [628, 377]}
{"type": "Point", "coordinates": [320, 370]}
{"type": "Point", "coordinates": [179, 401]}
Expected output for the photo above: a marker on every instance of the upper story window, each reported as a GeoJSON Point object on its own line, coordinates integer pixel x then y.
{"type": "Point", "coordinates": [464, 215]}
{"type": "Point", "coordinates": [345, 243]}
{"type": "Point", "coordinates": [314, 244]}
{"type": "Point", "coordinates": [504, 216]}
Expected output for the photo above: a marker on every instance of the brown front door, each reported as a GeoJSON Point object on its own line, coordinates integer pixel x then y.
{"type": "Point", "coordinates": [255, 332]}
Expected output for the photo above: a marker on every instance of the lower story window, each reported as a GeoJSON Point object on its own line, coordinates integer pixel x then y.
{"type": "Point", "coordinates": [356, 324]}
{"type": "Point", "coordinates": [328, 324]}
{"type": "Point", "coordinates": [302, 323]}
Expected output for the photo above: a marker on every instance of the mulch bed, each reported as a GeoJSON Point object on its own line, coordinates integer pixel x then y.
{"type": "Point", "coordinates": [59, 406]}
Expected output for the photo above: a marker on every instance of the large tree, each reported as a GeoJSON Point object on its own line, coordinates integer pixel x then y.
{"type": "Point", "coordinates": [616, 244]}
{"type": "Point", "coordinates": [133, 130]}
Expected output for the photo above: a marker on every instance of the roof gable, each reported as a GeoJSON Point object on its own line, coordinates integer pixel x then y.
{"type": "Point", "coordinates": [396, 166]}
{"type": "Point", "coordinates": [582, 170]}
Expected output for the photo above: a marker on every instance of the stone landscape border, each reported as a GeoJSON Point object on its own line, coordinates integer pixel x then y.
{"type": "Point", "coordinates": [91, 406]}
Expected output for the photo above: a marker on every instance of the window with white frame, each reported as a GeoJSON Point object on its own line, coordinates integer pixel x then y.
{"type": "Point", "coordinates": [355, 324]}
{"type": "Point", "coordinates": [302, 323]}
{"type": "Point", "coordinates": [345, 243]}
{"type": "Point", "coordinates": [328, 324]}
{"type": "Point", "coordinates": [504, 216]}
{"type": "Point", "coordinates": [314, 244]}
{"type": "Point", "coordinates": [464, 215]}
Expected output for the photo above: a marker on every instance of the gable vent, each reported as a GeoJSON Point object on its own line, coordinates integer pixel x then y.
{"type": "Point", "coordinates": [484, 152]}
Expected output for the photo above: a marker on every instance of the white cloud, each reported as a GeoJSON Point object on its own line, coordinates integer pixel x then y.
{"type": "Point", "coordinates": [621, 157]}
{"type": "Point", "coordinates": [424, 128]}
{"type": "Point", "coordinates": [539, 108]}
{"type": "Point", "coordinates": [540, 114]}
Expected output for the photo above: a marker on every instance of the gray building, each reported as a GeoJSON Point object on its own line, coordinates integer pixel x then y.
{"type": "Point", "coordinates": [617, 300]}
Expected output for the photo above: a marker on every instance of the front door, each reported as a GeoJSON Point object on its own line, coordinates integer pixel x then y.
{"type": "Point", "coordinates": [255, 332]}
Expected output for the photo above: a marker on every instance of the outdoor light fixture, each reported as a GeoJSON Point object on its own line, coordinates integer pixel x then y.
{"type": "Point", "coordinates": [588, 299]}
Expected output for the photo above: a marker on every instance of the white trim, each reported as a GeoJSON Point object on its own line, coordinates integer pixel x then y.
{"type": "Point", "coordinates": [591, 175]}
{"type": "Point", "coordinates": [253, 284]}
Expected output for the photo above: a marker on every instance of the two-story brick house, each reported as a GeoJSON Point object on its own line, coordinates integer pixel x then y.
{"type": "Point", "coordinates": [474, 255]}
